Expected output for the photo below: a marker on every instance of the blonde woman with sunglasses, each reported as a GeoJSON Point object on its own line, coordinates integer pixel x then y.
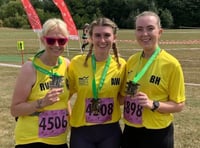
{"type": "Point", "coordinates": [40, 96]}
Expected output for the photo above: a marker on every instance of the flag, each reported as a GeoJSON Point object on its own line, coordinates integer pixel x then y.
{"type": "Point", "coordinates": [32, 16]}
{"type": "Point", "coordinates": [73, 33]}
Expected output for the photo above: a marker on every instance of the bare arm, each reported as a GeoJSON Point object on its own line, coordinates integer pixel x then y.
{"type": "Point", "coordinates": [24, 83]}
{"type": "Point", "coordinates": [170, 107]}
{"type": "Point", "coordinates": [164, 107]}
{"type": "Point", "coordinates": [26, 79]}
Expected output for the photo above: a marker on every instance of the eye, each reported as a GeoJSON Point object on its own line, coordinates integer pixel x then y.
{"type": "Point", "coordinates": [97, 35]}
{"type": "Point", "coordinates": [150, 28]}
{"type": "Point", "coordinates": [107, 35]}
{"type": "Point", "coordinates": [139, 29]}
{"type": "Point", "coordinates": [62, 41]}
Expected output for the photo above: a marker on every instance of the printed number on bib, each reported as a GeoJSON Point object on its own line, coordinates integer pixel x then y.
{"type": "Point", "coordinates": [104, 113]}
{"type": "Point", "coordinates": [52, 123]}
{"type": "Point", "coordinates": [132, 110]}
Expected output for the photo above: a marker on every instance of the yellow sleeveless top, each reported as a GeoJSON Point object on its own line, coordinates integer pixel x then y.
{"type": "Point", "coordinates": [27, 127]}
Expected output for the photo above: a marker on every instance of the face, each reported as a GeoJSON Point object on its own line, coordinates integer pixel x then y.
{"type": "Point", "coordinates": [102, 39]}
{"type": "Point", "coordinates": [55, 42]}
{"type": "Point", "coordinates": [148, 32]}
{"type": "Point", "coordinates": [85, 30]}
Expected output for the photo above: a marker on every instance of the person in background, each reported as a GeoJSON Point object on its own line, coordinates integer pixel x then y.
{"type": "Point", "coordinates": [85, 40]}
{"type": "Point", "coordinates": [97, 79]}
{"type": "Point", "coordinates": [154, 90]}
{"type": "Point", "coordinates": [41, 93]}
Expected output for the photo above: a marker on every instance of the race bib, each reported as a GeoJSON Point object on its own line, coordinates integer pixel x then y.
{"type": "Point", "coordinates": [52, 123]}
{"type": "Point", "coordinates": [104, 113]}
{"type": "Point", "coordinates": [132, 110]}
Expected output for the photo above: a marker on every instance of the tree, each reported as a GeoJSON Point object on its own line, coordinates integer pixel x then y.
{"type": "Point", "coordinates": [173, 13]}
{"type": "Point", "coordinates": [166, 18]}
{"type": "Point", "coordinates": [13, 15]}
{"type": "Point", "coordinates": [184, 12]}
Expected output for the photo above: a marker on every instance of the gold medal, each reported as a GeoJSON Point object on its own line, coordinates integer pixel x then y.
{"type": "Point", "coordinates": [56, 81]}
{"type": "Point", "coordinates": [132, 88]}
{"type": "Point", "coordinates": [96, 105]}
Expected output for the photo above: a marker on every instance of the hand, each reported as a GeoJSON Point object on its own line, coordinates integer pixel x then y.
{"type": "Point", "coordinates": [52, 96]}
{"type": "Point", "coordinates": [143, 100]}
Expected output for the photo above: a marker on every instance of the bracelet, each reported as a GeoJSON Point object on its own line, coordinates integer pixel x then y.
{"type": "Point", "coordinates": [39, 104]}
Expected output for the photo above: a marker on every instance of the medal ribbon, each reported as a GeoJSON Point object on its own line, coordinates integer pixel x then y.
{"type": "Point", "coordinates": [146, 66]}
{"type": "Point", "coordinates": [44, 71]}
{"type": "Point", "coordinates": [95, 90]}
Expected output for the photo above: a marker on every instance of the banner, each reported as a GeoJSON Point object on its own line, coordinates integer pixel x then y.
{"type": "Point", "coordinates": [67, 18]}
{"type": "Point", "coordinates": [32, 16]}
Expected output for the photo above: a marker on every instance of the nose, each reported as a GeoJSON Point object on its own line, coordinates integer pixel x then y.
{"type": "Point", "coordinates": [145, 32]}
{"type": "Point", "coordinates": [102, 38]}
{"type": "Point", "coordinates": [56, 43]}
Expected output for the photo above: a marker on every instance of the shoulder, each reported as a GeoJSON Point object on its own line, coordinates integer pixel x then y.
{"type": "Point", "coordinates": [78, 58]}
{"type": "Point", "coordinates": [122, 60]}
{"type": "Point", "coordinates": [77, 61]}
{"type": "Point", "coordinates": [66, 60]}
{"type": "Point", "coordinates": [114, 62]}
{"type": "Point", "coordinates": [134, 57]}
{"type": "Point", "coordinates": [168, 58]}
{"type": "Point", "coordinates": [27, 67]}
{"type": "Point", "coordinates": [27, 73]}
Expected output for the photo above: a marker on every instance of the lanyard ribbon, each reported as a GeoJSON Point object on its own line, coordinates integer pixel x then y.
{"type": "Point", "coordinates": [146, 66]}
{"type": "Point", "coordinates": [44, 71]}
{"type": "Point", "coordinates": [95, 90]}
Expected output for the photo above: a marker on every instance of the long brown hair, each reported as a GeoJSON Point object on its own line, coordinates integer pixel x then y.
{"type": "Point", "coordinates": [103, 22]}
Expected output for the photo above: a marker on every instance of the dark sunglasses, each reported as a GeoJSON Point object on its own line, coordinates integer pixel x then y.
{"type": "Point", "coordinates": [52, 41]}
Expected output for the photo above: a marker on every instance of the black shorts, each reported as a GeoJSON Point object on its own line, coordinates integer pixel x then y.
{"type": "Point", "coordinates": [148, 138]}
{"type": "Point", "coordinates": [96, 136]}
{"type": "Point", "coordinates": [41, 145]}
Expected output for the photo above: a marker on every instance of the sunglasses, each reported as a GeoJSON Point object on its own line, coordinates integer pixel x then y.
{"type": "Point", "coordinates": [52, 41]}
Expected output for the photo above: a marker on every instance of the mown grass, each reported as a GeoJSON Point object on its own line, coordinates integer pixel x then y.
{"type": "Point", "coordinates": [186, 122]}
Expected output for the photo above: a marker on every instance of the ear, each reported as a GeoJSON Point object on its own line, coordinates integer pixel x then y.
{"type": "Point", "coordinates": [160, 31]}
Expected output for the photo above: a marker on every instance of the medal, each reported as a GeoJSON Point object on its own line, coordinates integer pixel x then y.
{"type": "Point", "coordinates": [96, 102]}
{"type": "Point", "coordinates": [96, 105]}
{"type": "Point", "coordinates": [132, 88]}
{"type": "Point", "coordinates": [56, 81]}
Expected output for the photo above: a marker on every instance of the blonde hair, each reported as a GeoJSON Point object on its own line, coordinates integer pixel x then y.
{"type": "Point", "coordinates": [103, 22]}
{"type": "Point", "coordinates": [53, 23]}
{"type": "Point", "coordinates": [150, 13]}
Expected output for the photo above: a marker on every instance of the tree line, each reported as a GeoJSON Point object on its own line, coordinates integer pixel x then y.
{"type": "Point", "coordinates": [173, 13]}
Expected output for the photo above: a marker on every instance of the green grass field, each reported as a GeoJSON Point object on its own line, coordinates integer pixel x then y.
{"type": "Point", "coordinates": [183, 44]}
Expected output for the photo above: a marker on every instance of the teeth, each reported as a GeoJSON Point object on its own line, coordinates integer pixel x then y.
{"type": "Point", "coordinates": [102, 46]}
{"type": "Point", "coordinates": [146, 39]}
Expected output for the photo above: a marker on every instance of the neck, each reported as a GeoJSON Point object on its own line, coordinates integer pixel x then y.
{"type": "Point", "coordinates": [147, 54]}
{"type": "Point", "coordinates": [49, 61]}
{"type": "Point", "coordinates": [101, 57]}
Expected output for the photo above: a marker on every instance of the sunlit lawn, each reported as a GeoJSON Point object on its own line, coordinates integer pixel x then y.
{"type": "Point", "coordinates": [186, 123]}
